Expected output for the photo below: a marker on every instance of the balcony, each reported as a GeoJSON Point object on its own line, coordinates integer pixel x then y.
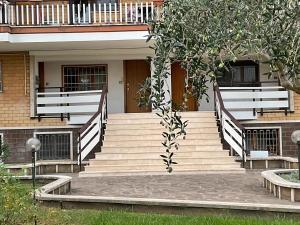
{"type": "Point", "coordinates": [77, 17]}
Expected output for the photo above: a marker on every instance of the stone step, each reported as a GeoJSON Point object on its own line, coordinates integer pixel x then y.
{"type": "Point", "coordinates": [158, 131]}
{"type": "Point", "coordinates": [157, 137]}
{"type": "Point", "coordinates": [146, 143]}
{"type": "Point", "coordinates": [157, 120]}
{"type": "Point", "coordinates": [137, 149]}
{"type": "Point", "coordinates": [153, 115]}
{"type": "Point", "coordinates": [158, 161]}
{"type": "Point", "coordinates": [161, 167]}
{"type": "Point", "coordinates": [149, 155]}
{"type": "Point", "coordinates": [160, 173]}
{"type": "Point", "coordinates": [157, 126]}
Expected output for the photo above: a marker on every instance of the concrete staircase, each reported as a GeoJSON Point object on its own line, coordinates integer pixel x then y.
{"type": "Point", "coordinates": [132, 145]}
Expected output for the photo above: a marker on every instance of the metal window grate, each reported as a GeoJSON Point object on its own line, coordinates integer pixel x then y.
{"type": "Point", "coordinates": [263, 140]}
{"type": "Point", "coordinates": [85, 78]}
{"type": "Point", "coordinates": [54, 146]}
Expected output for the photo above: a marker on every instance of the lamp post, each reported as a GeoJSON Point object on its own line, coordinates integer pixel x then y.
{"type": "Point", "coordinates": [296, 139]}
{"type": "Point", "coordinates": [33, 144]}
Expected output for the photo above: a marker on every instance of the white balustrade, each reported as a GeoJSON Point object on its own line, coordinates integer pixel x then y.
{"type": "Point", "coordinates": [79, 14]}
{"type": "Point", "coordinates": [73, 103]}
{"type": "Point", "coordinates": [90, 135]}
{"type": "Point", "coordinates": [243, 102]}
{"type": "Point", "coordinates": [232, 130]}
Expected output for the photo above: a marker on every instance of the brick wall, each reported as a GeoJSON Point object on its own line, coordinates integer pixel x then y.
{"type": "Point", "coordinates": [16, 139]}
{"type": "Point", "coordinates": [15, 98]}
{"type": "Point", "coordinates": [281, 116]}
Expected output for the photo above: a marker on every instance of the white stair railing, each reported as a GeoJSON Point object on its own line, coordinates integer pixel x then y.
{"type": "Point", "coordinates": [232, 131]}
{"type": "Point", "coordinates": [91, 134]}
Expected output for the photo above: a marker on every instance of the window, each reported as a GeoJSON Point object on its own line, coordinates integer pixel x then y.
{"type": "Point", "coordinates": [263, 139]}
{"type": "Point", "coordinates": [1, 139]}
{"type": "Point", "coordinates": [240, 73]}
{"type": "Point", "coordinates": [55, 145]}
{"type": "Point", "coordinates": [1, 83]}
{"type": "Point", "coordinates": [84, 78]}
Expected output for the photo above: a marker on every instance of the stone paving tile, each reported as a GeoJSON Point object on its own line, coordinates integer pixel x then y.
{"type": "Point", "coordinates": [245, 188]}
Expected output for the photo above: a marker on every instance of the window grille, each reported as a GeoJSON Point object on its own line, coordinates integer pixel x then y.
{"type": "Point", "coordinates": [55, 146]}
{"type": "Point", "coordinates": [263, 140]}
{"type": "Point", "coordinates": [84, 78]}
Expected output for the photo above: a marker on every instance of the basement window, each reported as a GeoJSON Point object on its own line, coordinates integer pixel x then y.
{"type": "Point", "coordinates": [55, 145]}
{"type": "Point", "coordinates": [264, 139]}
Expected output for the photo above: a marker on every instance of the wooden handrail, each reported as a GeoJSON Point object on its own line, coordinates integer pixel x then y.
{"type": "Point", "coordinates": [217, 91]}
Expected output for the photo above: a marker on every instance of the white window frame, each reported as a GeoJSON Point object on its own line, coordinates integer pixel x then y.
{"type": "Point", "coordinates": [59, 132]}
{"type": "Point", "coordinates": [266, 128]}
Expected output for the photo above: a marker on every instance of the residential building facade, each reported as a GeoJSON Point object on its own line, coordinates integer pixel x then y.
{"type": "Point", "coordinates": [56, 58]}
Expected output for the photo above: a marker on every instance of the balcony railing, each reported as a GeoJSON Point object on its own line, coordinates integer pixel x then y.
{"type": "Point", "coordinates": [77, 106]}
{"type": "Point", "coordinates": [58, 14]}
{"type": "Point", "coordinates": [245, 102]}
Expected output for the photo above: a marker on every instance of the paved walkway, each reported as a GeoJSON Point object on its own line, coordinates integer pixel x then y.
{"type": "Point", "coordinates": [240, 188]}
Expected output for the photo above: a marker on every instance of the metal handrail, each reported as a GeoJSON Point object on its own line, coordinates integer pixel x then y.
{"type": "Point", "coordinates": [82, 132]}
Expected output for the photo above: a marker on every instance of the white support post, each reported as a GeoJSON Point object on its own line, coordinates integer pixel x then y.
{"type": "Point", "coordinates": [89, 13]}
{"type": "Point", "coordinates": [12, 20]}
{"type": "Point", "coordinates": [37, 15]}
{"type": "Point", "coordinates": [27, 14]}
{"type": "Point", "coordinates": [73, 14]}
{"type": "Point", "coordinates": [17, 15]}
{"type": "Point", "coordinates": [63, 13]}
{"type": "Point", "coordinates": [126, 12]}
{"type": "Point", "coordinates": [136, 12]}
{"type": "Point", "coordinates": [147, 13]}
{"type": "Point", "coordinates": [68, 14]}
{"type": "Point", "coordinates": [57, 14]}
{"type": "Point", "coordinates": [131, 12]}
{"type": "Point", "coordinates": [116, 15]}
{"type": "Point", "coordinates": [84, 12]}
{"type": "Point", "coordinates": [152, 11]}
{"type": "Point", "coordinates": [142, 13]}
{"type": "Point", "coordinates": [121, 14]}
{"type": "Point", "coordinates": [105, 19]}
{"type": "Point", "coordinates": [5, 13]}
{"type": "Point", "coordinates": [100, 13]}
{"type": "Point", "coordinates": [94, 13]}
{"type": "Point", "coordinates": [52, 13]}
{"type": "Point", "coordinates": [78, 12]}
{"type": "Point", "coordinates": [48, 14]}
{"type": "Point", "coordinates": [110, 13]}
{"type": "Point", "coordinates": [43, 15]}
{"type": "Point", "coordinates": [22, 14]}
{"type": "Point", "coordinates": [32, 14]}
{"type": "Point", "coordinates": [1, 14]}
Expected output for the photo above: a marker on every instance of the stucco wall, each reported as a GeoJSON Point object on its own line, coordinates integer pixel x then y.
{"type": "Point", "coordinates": [53, 78]}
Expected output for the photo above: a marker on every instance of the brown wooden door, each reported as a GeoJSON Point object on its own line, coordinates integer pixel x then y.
{"type": "Point", "coordinates": [178, 83]}
{"type": "Point", "coordinates": [136, 72]}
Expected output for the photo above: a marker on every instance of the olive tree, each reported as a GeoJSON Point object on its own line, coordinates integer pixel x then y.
{"type": "Point", "coordinates": [204, 36]}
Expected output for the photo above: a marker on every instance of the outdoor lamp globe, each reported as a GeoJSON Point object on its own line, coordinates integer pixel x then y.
{"type": "Point", "coordinates": [296, 137]}
{"type": "Point", "coordinates": [33, 144]}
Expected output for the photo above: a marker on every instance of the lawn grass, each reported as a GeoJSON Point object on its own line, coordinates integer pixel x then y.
{"type": "Point", "coordinates": [93, 217]}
